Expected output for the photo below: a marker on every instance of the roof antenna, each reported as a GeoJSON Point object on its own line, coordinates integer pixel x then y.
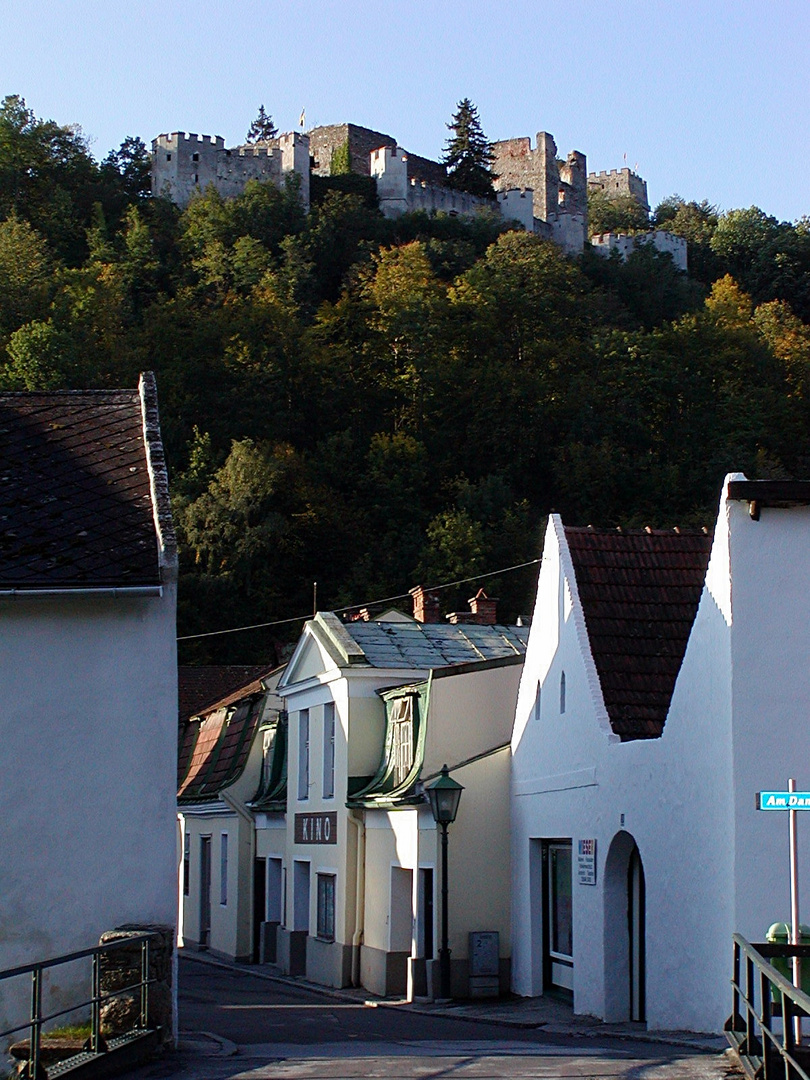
{"type": "Point", "coordinates": [314, 597]}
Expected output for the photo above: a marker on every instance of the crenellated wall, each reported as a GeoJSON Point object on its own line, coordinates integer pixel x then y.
{"type": "Point", "coordinates": [184, 163]}
{"type": "Point", "coordinates": [620, 182]}
{"type": "Point", "coordinates": [626, 243]}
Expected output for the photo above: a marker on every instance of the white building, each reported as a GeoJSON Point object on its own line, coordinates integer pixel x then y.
{"type": "Point", "coordinates": [223, 754]}
{"type": "Point", "coordinates": [376, 707]}
{"type": "Point", "coordinates": [666, 682]}
{"type": "Point", "coordinates": [88, 679]}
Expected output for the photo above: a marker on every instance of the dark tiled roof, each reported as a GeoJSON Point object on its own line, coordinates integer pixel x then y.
{"type": "Point", "coordinates": [432, 645]}
{"type": "Point", "coordinates": [75, 498]}
{"type": "Point", "coordinates": [640, 593]}
{"type": "Point", "coordinates": [205, 691]}
{"type": "Point", "coordinates": [207, 684]}
{"type": "Point", "coordinates": [216, 746]}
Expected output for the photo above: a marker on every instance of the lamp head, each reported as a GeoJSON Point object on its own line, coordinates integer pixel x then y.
{"type": "Point", "coordinates": [444, 795]}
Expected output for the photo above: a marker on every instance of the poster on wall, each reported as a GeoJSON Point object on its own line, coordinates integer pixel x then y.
{"type": "Point", "coordinates": [586, 862]}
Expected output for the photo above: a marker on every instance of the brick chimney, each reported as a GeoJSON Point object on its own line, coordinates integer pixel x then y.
{"type": "Point", "coordinates": [425, 605]}
{"type": "Point", "coordinates": [484, 609]}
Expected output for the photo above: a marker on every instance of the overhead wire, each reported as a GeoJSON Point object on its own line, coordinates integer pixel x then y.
{"type": "Point", "coordinates": [363, 604]}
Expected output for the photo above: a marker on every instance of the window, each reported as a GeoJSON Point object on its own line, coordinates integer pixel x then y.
{"type": "Point", "coordinates": [303, 754]}
{"type": "Point", "coordinates": [301, 895]}
{"type": "Point", "coordinates": [195, 157]}
{"type": "Point", "coordinates": [402, 731]}
{"type": "Point", "coordinates": [223, 869]}
{"type": "Point", "coordinates": [537, 703]}
{"type": "Point", "coordinates": [562, 693]}
{"type": "Point", "coordinates": [329, 750]}
{"type": "Point", "coordinates": [186, 863]}
{"type": "Point", "coordinates": [326, 907]}
{"type": "Point", "coordinates": [168, 157]}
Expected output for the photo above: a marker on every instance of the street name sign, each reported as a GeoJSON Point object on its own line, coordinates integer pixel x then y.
{"type": "Point", "coordinates": [783, 800]}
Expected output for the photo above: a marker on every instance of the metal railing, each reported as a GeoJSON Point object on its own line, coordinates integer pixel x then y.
{"type": "Point", "coordinates": [96, 1044]}
{"type": "Point", "coordinates": [764, 1028]}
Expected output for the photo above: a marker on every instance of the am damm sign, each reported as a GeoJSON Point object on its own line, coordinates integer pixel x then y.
{"type": "Point", "coordinates": [783, 800]}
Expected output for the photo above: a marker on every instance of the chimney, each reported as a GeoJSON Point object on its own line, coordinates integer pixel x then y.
{"type": "Point", "coordinates": [425, 605]}
{"type": "Point", "coordinates": [484, 609]}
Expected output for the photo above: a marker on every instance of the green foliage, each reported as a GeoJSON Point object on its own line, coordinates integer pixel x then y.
{"type": "Point", "coordinates": [696, 223]}
{"type": "Point", "coordinates": [25, 274]}
{"type": "Point", "coordinates": [366, 402]}
{"type": "Point", "coordinates": [341, 162]}
{"type": "Point", "coordinates": [467, 154]}
{"type": "Point", "coordinates": [615, 213]}
{"type": "Point", "coordinates": [262, 128]}
{"type": "Point", "coordinates": [40, 357]}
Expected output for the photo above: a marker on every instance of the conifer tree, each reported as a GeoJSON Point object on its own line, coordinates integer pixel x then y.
{"type": "Point", "coordinates": [262, 128]}
{"type": "Point", "coordinates": [467, 155]}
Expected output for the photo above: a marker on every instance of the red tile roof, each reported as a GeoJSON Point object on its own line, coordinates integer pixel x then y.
{"type": "Point", "coordinates": [76, 507]}
{"type": "Point", "coordinates": [203, 686]}
{"type": "Point", "coordinates": [214, 746]}
{"type": "Point", "coordinates": [640, 592]}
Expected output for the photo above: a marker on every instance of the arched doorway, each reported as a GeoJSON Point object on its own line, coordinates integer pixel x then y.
{"type": "Point", "coordinates": [624, 941]}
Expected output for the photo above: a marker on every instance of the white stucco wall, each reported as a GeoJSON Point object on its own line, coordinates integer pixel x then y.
{"type": "Point", "coordinates": [89, 733]}
{"type": "Point", "coordinates": [712, 864]}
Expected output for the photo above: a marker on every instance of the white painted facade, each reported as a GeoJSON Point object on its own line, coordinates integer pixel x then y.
{"type": "Point", "coordinates": [385, 859]}
{"type": "Point", "coordinates": [88, 685]}
{"type": "Point", "coordinates": [737, 724]}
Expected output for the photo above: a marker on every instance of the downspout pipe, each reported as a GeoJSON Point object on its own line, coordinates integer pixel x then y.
{"type": "Point", "coordinates": [359, 823]}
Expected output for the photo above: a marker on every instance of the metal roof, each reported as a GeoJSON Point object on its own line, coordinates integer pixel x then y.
{"type": "Point", "coordinates": [432, 645]}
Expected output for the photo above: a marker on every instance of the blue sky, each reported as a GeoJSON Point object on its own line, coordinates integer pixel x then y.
{"type": "Point", "coordinates": [709, 100]}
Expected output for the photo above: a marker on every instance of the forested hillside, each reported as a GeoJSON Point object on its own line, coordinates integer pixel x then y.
{"type": "Point", "coordinates": [372, 404]}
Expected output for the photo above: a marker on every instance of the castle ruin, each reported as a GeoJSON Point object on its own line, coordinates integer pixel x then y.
{"type": "Point", "coordinates": [620, 182]}
{"type": "Point", "coordinates": [185, 163]}
{"type": "Point", "coordinates": [534, 187]}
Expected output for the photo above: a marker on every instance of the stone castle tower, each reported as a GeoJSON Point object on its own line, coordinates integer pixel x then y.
{"type": "Point", "coordinates": [183, 163]}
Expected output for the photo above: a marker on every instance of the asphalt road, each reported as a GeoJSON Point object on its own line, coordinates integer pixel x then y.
{"type": "Point", "coordinates": [236, 1026]}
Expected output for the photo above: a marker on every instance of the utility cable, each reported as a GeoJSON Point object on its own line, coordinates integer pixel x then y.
{"type": "Point", "coordinates": [357, 607]}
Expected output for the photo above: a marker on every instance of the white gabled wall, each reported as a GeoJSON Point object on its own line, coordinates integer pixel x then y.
{"type": "Point", "coordinates": [770, 587]}
{"type": "Point", "coordinates": [712, 864]}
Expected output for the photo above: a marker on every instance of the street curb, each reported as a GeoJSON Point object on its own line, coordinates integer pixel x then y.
{"type": "Point", "coordinates": [686, 1040]}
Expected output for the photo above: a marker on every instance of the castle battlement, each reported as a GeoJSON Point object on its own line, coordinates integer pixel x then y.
{"type": "Point", "coordinates": [612, 174]}
{"type": "Point", "coordinates": [620, 182]}
{"type": "Point", "coordinates": [626, 243]}
{"type": "Point", "coordinates": [184, 163]}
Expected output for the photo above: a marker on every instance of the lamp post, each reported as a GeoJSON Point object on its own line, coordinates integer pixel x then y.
{"type": "Point", "coordinates": [444, 795]}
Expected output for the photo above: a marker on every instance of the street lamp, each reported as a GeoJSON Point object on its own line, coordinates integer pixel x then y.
{"type": "Point", "coordinates": [444, 795]}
